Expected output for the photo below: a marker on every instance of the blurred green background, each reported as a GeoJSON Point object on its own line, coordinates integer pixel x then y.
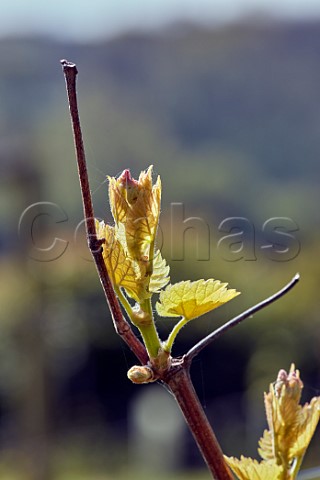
{"type": "Point", "coordinates": [228, 114]}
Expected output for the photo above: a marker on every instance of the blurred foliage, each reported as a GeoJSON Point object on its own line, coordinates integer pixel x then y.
{"type": "Point", "coordinates": [230, 119]}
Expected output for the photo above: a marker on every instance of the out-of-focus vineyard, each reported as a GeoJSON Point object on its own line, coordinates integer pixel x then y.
{"type": "Point", "coordinates": [230, 119]}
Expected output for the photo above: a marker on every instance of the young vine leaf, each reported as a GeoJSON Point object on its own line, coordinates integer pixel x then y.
{"type": "Point", "coordinates": [192, 299]}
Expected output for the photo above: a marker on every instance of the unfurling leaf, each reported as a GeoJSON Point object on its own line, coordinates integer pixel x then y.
{"type": "Point", "coordinates": [122, 270]}
{"type": "Point", "coordinates": [160, 274]}
{"type": "Point", "coordinates": [308, 418]}
{"type": "Point", "coordinates": [266, 447]}
{"type": "Point", "coordinates": [192, 299]}
{"type": "Point", "coordinates": [136, 205]}
{"type": "Point", "coordinates": [249, 469]}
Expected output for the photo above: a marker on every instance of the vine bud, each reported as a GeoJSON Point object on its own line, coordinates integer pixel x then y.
{"type": "Point", "coordinates": [141, 374]}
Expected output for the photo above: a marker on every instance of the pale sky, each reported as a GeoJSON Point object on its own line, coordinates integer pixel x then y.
{"type": "Point", "coordinates": [90, 19]}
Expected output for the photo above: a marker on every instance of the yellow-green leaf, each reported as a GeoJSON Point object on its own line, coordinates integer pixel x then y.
{"type": "Point", "coordinates": [160, 274]}
{"type": "Point", "coordinates": [249, 469]}
{"type": "Point", "coordinates": [136, 204]}
{"type": "Point", "coordinates": [192, 299]}
{"type": "Point", "coordinates": [308, 419]}
{"type": "Point", "coordinates": [266, 448]}
{"type": "Point", "coordinates": [122, 270]}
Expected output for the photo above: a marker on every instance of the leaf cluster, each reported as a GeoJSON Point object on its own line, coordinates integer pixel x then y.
{"type": "Point", "coordinates": [291, 427]}
{"type": "Point", "coordinates": [137, 269]}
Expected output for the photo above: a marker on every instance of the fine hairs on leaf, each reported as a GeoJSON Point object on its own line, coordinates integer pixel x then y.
{"type": "Point", "coordinates": [132, 271]}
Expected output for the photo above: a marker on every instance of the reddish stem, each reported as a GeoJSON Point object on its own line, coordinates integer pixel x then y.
{"type": "Point", "coordinates": [122, 327]}
{"type": "Point", "coordinates": [179, 381]}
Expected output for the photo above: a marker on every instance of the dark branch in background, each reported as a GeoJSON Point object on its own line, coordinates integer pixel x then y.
{"type": "Point", "coordinates": [122, 327]}
{"type": "Point", "coordinates": [238, 319]}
